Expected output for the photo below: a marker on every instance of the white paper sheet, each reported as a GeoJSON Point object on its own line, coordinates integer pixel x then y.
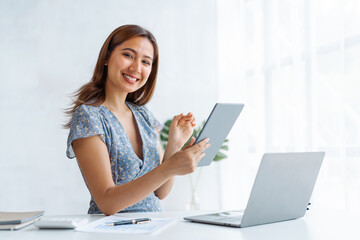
{"type": "Point", "coordinates": [101, 226]}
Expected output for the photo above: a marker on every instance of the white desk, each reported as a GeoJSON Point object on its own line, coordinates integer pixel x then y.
{"type": "Point", "coordinates": [319, 225]}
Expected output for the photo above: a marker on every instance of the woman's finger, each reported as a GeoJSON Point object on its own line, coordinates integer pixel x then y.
{"type": "Point", "coordinates": [176, 119]}
{"type": "Point", "coordinates": [193, 123]}
{"type": "Point", "coordinates": [201, 146]}
{"type": "Point", "coordinates": [190, 144]}
{"type": "Point", "coordinates": [199, 157]}
{"type": "Point", "coordinates": [188, 116]}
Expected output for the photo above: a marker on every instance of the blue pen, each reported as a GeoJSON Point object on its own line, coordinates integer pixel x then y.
{"type": "Point", "coordinates": [132, 221]}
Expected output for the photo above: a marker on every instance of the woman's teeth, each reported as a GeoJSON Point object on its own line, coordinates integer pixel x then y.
{"type": "Point", "coordinates": [130, 78]}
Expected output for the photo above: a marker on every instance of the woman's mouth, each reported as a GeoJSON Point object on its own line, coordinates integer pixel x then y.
{"type": "Point", "coordinates": [130, 79]}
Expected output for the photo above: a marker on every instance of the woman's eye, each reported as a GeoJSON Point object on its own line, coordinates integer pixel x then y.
{"type": "Point", "coordinates": [147, 62]}
{"type": "Point", "coordinates": [128, 55]}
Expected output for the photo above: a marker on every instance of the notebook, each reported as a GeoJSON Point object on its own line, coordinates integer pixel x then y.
{"type": "Point", "coordinates": [281, 191]}
{"type": "Point", "coordinates": [17, 220]}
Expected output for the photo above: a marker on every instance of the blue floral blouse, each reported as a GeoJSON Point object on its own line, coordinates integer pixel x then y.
{"type": "Point", "coordinates": [126, 166]}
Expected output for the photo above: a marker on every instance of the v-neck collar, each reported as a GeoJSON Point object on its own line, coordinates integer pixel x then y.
{"type": "Point", "coordinates": [139, 127]}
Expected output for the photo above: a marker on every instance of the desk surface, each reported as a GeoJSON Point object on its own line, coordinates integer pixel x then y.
{"type": "Point", "coordinates": [324, 224]}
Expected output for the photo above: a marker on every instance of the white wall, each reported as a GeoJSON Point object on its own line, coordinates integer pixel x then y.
{"type": "Point", "coordinates": [48, 49]}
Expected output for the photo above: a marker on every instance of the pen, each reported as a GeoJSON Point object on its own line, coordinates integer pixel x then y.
{"type": "Point", "coordinates": [132, 221]}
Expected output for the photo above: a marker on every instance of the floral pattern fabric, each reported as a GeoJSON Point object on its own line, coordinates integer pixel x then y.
{"type": "Point", "coordinates": [126, 166]}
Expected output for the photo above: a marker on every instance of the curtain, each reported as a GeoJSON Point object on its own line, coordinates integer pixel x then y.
{"type": "Point", "coordinates": [296, 67]}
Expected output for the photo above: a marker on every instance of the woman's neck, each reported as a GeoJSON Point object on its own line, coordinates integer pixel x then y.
{"type": "Point", "coordinates": [115, 102]}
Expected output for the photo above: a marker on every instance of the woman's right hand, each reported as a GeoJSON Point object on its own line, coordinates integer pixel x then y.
{"type": "Point", "coordinates": [181, 129]}
{"type": "Point", "coordinates": [186, 160]}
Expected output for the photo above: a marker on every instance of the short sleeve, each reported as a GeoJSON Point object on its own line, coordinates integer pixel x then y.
{"type": "Point", "coordinates": [85, 122]}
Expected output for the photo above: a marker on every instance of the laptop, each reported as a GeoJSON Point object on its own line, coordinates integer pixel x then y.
{"type": "Point", "coordinates": [281, 191]}
{"type": "Point", "coordinates": [217, 127]}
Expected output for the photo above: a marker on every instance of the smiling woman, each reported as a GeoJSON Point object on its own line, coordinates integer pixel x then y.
{"type": "Point", "coordinates": [129, 66]}
{"type": "Point", "coordinates": [115, 138]}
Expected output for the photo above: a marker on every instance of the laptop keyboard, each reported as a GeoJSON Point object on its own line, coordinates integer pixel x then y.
{"type": "Point", "coordinates": [234, 219]}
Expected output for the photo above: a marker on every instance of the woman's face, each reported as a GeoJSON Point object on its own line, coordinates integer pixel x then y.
{"type": "Point", "coordinates": [130, 64]}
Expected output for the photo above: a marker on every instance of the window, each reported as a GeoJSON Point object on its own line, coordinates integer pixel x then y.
{"type": "Point", "coordinates": [295, 65]}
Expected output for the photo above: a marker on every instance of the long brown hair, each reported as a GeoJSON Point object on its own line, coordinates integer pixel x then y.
{"type": "Point", "coordinates": [93, 92]}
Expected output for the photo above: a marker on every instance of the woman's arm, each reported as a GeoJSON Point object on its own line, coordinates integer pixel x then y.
{"type": "Point", "coordinates": [93, 157]}
{"type": "Point", "coordinates": [181, 129]}
{"type": "Point", "coordinates": [164, 189]}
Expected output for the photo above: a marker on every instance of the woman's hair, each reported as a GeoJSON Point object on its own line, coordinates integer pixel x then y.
{"type": "Point", "coordinates": [93, 92]}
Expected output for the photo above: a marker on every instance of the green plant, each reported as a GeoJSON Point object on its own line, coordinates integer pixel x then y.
{"type": "Point", "coordinates": [165, 133]}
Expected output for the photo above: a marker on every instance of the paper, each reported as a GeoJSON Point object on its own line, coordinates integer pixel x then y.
{"type": "Point", "coordinates": [101, 226]}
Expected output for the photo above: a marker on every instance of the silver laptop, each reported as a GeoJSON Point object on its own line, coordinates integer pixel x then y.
{"type": "Point", "coordinates": [281, 191]}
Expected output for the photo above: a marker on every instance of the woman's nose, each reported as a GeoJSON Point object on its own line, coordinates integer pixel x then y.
{"type": "Point", "coordinates": [135, 66]}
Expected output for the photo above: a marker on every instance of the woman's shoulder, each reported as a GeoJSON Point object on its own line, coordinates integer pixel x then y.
{"type": "Point", "coordinates": [87, 113]}
{"type": "Point", "coordinates": [86, 121]}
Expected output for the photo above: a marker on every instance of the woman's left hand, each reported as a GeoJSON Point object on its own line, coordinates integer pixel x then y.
{"type": "Point", "coordinates": [181, 129]}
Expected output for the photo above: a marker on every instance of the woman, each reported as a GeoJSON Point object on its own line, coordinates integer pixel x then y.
{"type": "Point", "coordinates": [115, 137]}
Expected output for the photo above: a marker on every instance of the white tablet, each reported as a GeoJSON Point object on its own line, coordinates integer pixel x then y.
{"type": "Point", "coordinates": [217, 127]}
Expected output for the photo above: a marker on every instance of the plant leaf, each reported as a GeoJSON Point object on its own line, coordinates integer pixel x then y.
{"type": "Point", "coordinates": [168, 123]}
{"type": "Point", "coordinates": [218, 158]}
{"type": "Point", "coordinates": [164, 138]}
{"type": "Point", "coordinates": [220, 154]}
{"type": "Point", "coordinates": [224, 147]}
{"type": "Point", "coordinates": [165, 131]}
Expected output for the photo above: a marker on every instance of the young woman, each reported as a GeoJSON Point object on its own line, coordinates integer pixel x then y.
{"type": "Point", "coordinates": [114, 137]}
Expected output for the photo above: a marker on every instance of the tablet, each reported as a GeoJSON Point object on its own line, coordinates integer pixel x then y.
{"type": "Point", "coordinates": [217, 127]}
